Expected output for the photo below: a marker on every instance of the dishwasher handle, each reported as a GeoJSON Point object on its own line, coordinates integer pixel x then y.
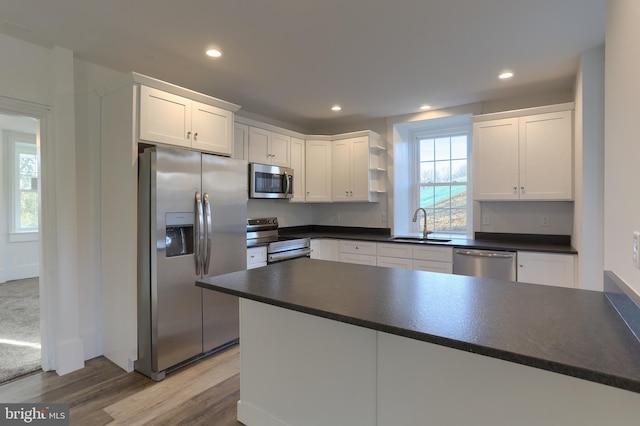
{"type": "Point", "coordinates": [485, 253]}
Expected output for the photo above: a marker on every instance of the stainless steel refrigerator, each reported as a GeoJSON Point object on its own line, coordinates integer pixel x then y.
{"type": "Point", "coordinates": [192, 211]}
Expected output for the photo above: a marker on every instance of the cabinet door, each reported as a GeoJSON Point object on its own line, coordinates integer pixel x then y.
{"type": "Point", "coordinates": [340, 170]}
{"type": "Point", "coordinates": [256, 257]}
{"type": "Point", "coordinates": [259, 141]}
{"type": "Point", "coordinates": [546, 268]}
{"type": "Point", "coordinates": [240, 141]}
{"type": "Point", "coordinates": [546, 166]}
{"type": "Point", "coordinates": [212, 129]}
{"type": "Point", "coordinates": [164, 117]}
{"type": "Point", "coordinates": [324, 249]}
{"type": "Point", "coordinates": [495, 156]}
{"type": "Point", "coordinates": [360, 259]}
{"type": "Point", "coordinates": [279, 150]}
{"type": "Point", "coordinates": [297, 149]}
{"type": "Point", "coordinates": [318, 171]}
{"type": "Point", "coordinates": [359, 169]}
{"type": "Point", "coordinates": [431, 266]}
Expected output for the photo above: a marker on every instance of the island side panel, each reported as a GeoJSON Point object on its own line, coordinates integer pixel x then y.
{"type": "Point", "coordinates": [419, 380]}
{"type": "Point", "coordinates": [299, 369]}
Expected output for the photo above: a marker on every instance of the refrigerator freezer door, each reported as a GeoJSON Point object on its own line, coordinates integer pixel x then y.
{"type": "Point", "coordinates": [176, 308]}
{"type": "Point", "coordinates": [224, 182]}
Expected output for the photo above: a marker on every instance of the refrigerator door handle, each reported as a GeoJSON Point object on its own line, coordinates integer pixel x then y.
{"type": "Point", "coordinates": [207, 234]}
{"type": "Point", "coordinates": [287, 179]}
{"type": "Point", "coordinates": [198, 231]}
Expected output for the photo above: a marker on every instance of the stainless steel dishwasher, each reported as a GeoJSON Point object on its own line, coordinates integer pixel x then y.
{"type": "Point", "coordinates": [485, 263]}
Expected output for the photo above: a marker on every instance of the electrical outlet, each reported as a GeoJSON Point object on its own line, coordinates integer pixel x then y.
{"type": "Point", "coordinates": [485, 219]}
{"type": "Point", "coordinates": [545, 221]}
{"type": "Point", "coordinates": [338, 217]}
{"type": "Point", "coordinates": [384, 217]}
{"type": "Point", "coordinates": [636, 242]}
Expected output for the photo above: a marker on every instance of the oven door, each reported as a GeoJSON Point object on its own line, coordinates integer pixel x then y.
{"type": "Point", "coordinates": [266, 181]}
{"type": "Point", "coordinates": [288, 255]}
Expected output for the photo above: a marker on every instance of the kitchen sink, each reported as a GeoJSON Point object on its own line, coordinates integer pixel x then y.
{"type": "Point", "coordinates": [420, 239]}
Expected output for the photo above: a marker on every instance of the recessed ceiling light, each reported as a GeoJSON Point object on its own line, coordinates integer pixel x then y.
{"type": "Point", "coordinates": [425, 107]}
{"type": "Point", "coordinates": [214, 53]}
{"type": "Point", "coordinates": [336, 108]}
{"type": "Point", "coordinates": [505, 75]}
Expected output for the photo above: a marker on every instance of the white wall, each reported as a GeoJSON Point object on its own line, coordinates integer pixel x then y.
{"type": "Point", "coordinates": [621, 148]}
{"type": "Point", "coordinates": [525, 217]}
{"type": "Point", "coordinates": [288, 214]}
{"type": "Point", "coordinates": [42, 81]}
{"type": "Point", "coordinates": [89, 77]}
{"type": "Point", "coordinates": [588, 236]}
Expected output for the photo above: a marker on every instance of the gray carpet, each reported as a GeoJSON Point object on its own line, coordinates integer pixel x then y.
{"type": "Point", "coordinates": [19, 328]}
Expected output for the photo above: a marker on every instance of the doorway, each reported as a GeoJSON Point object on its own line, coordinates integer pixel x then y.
{"type": "Point", "coordinates": [20, 340]}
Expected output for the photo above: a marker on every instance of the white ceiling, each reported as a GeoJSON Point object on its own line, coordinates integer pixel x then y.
{"type": "Point", "coordinates": [290, 60]}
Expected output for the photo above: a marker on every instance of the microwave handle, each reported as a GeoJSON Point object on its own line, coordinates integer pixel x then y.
{"type": "Point", "coordinates": [287, 178]}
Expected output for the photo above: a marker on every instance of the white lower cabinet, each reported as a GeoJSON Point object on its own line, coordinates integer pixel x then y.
{"type": "Point", "coordinates": [360, 252]}
{"type": "Point", "coordinates": [547, 268]}
{"type": "Point", "coordinates": [256, 257]}
{"type": "Point", "coordinates": [324, 249]}
{"type": "Point", "coordinates": [392, 255]}
{"type": "Point", "coordinates": [433, 259]}
{"type": "Point", "coordinates": [395, 262]}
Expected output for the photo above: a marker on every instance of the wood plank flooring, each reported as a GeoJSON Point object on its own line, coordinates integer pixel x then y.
{"type": "Point", "coordinates": [202, 393]}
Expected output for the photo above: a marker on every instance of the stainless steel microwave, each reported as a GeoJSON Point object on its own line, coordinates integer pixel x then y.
{"type": "Point", "coordinates": [266, 181]}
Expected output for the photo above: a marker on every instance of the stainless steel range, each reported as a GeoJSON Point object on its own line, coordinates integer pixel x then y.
{"type": "Point", "coordinates": [264, 231]}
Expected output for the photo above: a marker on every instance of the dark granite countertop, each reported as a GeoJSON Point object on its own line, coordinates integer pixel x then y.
{"type": "Point", "coordinates": [487, 241]}
{"type": "Point", "coordinates": [567, 331]}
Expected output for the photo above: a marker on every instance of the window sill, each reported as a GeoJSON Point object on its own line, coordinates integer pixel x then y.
{"type": "Point", "coordinates": [23, 237]}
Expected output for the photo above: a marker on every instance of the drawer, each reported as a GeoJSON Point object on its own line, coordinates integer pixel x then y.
{"type": "Point", "coordinates": [431, 266]}
{"type": "Point", "coordinates": [395, 250]}
{"type": "Point", "coordinates": [357, 247]}
{"type": "Point", "coordinates": [394, 262]}
{"type": "Point", "coordinates": [438, 254]}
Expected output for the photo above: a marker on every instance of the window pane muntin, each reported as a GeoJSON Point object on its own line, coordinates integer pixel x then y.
{"type": "Point", "coordinates": [455, 143]}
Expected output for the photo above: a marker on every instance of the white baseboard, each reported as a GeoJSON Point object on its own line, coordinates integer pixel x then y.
{"type": "Point", "coordinates": [19, 272]}
{"type": "Point", "coordinates": [249, 414]}
{"type": "Point", "coordinates": [69, 356]}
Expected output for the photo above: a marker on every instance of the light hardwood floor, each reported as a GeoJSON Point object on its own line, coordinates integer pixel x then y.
{"type": "Point", "coordinates": [202, 393]}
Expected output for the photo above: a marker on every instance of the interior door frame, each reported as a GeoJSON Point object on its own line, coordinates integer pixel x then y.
{"type": "Point", "coordinates": [48, 286]}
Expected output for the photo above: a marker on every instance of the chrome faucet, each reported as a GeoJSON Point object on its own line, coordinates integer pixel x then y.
{"type": "Point", "coordinates": [425, 232]}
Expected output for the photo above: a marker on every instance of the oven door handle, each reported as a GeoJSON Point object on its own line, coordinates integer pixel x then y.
{"type": "Point", "coordinates": [289, 254]}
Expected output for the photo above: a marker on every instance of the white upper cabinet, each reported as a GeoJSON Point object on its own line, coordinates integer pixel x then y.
{"type": "Point", "coordinates": [297, 156]}
{"type": "Point", "coordinates": [350, 169]}
{"type": "Point", "coordinates": [267, 147]}
{"type": "Point", "coordinates": [240, 141]}
{"type": "Point", "coordinates": [524, 158]}
{"type": "Point", "coordinates": [175, 120]}
{"type": "Point", "coordinates": [318, 171]}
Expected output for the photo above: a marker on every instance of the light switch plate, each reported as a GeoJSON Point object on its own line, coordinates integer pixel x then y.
{"type": "Point", "coordinates": [636, 242]}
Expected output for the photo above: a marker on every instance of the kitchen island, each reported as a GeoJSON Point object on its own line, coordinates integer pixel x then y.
{"type": "Point", "coordinates": [335, 343]}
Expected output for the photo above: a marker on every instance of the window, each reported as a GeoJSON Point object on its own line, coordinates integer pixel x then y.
{"type": "Point", "coordinates": [24, 181]}
{"type": "Point", "coordinates": [442, 173]}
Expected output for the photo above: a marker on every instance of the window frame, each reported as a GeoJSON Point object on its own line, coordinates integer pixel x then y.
{"type": "Point", "coordinates": [460, 126]}
{"type": "Point", "coordinates": [20, 142]}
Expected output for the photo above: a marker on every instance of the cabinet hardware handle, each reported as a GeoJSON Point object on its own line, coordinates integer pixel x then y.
{"type": "Point", "coordinates": [522, 188]}
{"type": "Point", "coordinates": [195, 136]}
{"type": "Point", "coordinates": [351, 193]}
{"type": "Point", "coordinates": [188, 135]}
{"type": "Point", "coordinates": [346, 193]}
